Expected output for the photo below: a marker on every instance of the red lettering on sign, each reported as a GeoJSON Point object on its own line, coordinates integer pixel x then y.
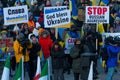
{"type": "Point", "coordinates": [94, 10]}
{"type": "Point", "coordinates": [97, 10]}
{"type": "Point", "coordinates": [89, 10]}
{"type": "Point", "coordinates": [104, 10]}
{"type": "Point", "coordinates": [70, 40]}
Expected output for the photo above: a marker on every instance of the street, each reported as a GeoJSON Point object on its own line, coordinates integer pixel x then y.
{"type": "Point", "coordinates": [102, 75]}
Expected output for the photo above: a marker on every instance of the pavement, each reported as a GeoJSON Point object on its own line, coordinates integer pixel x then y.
{"type": "Point", "coordinates": [101, 76]}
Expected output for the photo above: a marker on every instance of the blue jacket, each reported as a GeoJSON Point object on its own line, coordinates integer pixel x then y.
{"type": "Point", "coordinates": [112, 52]}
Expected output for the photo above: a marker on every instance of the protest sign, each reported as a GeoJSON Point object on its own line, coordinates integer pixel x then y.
{"type": "Point", "coordinates": [69, 44]}
{"type": "Point", "coordinates": [6, 46]}
{"type": "Point", "coordinates": [97, 14]}
{"type": "Point", "coordinates": [56, 16]}
{"type": "Point", "coordinates": [15, 15]}
{"type": "Point", "coordinates": [54, 9]}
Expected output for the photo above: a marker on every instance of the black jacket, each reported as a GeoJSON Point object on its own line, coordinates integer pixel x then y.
{"type": "Point", "coordinates": [34, 51]}
{"type": "Point", "coordinates": [57, 58]}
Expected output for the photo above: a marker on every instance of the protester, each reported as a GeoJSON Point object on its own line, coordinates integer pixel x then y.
{"type": "Point", "coordinates": [34, 53]}
{"type": "Point", "coordinates": [112, 50]}
{"type": "Point", "coordinates": [117, 24]}
{"type": "Point", "coordinates": [57, 54]}
{"type": "Point", "coordinates": [75, 53]}
{"type": "Point", "coordinates": [31, 23]}
{"type": "Point", "coordinates": [45, 43]}
{"type": "Point", "coordinates": [35, 8]}
{"type": "Point", "coordinates": [25, 30]}
{"type": "Point", "coordinates": [21, 48]}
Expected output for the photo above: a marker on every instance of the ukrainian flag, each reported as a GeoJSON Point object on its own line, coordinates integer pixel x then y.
{"type": "Point", "coordinates": [94, 2]}
{"type": "Point", "coordinates": [104, 2]}
{"type": "Point", "coordinates": [73, 9]}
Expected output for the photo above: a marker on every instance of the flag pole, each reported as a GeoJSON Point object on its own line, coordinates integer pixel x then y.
{"type": "Point", "coordinates": [22, 67]}
{"type": "Point", "coordinates": [96, 38]}
{"type": "Point", "coordinates": [56, 33]}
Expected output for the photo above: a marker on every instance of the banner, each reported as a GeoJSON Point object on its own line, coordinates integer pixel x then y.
{"type": "Point", "coordinates": [54, 9]}
{"type": "Point", "coordinates": [15, 15]}
{"type": "Point", "coordinates": [56, 16]}
{"type": "Point", "coordinates": [6, 46]}
{"type": "Point", "coordinates": [97, 14]}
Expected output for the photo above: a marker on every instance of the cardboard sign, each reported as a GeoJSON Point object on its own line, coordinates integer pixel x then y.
{"type": "Point", "coordinates": [97, 14]}
{"type": "Point", "coordinates": [56, 16]}
{"type": "Point", "coordinates": [15, 15]}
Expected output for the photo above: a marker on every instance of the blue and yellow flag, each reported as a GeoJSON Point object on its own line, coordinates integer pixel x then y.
{"type": "Point", "coordinates": [94, 2]}
{"type": "Point", "coordinates": [73, 9]}
{"type": "Point", "coordinates": [104, 2]}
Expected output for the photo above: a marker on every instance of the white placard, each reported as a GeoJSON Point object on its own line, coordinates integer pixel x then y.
{"type": "Point", "coordinates": [69, 43]}
{"type": "Point", "coordinates": [15, 15]}
{"type": "Point", "coordinates": [97, 14]}
{"type": "Point", "coordinates": [56, 16]}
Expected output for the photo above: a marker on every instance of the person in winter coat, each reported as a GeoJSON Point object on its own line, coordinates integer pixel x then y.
{"type": "Point", "coordinates": [117, 24]}
{"type": "Point", "coordinates": [45, 43]}
{"type": "Point", "coordinates": [75, 53]}
{"type": "Point", "coordinates": [57, 54]}
{"type": "Point", "coordinates": [21, 48]}
{"type": "Point", "coordinates": [34, 52]}
{"type": "Point", "coordinates": [112, 51]}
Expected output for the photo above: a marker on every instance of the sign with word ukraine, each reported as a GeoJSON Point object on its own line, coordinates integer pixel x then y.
{"type": "Point", "coordinates": [56, 16]}
{"type": "Point", "coordinates": [97, 14]}
{"type": "Point", "coordinates": [15, 15]}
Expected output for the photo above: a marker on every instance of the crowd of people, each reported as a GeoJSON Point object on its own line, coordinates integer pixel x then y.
{"type": "Point", "coordinates": [32, 37]}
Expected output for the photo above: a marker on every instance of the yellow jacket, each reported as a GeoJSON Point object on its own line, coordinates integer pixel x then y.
{"type": "Point", "coordinates": [18, 52]}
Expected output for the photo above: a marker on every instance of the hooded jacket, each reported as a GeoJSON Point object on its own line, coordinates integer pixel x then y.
{"type": "Point", "coordinates": [45, 43]}
{"type": "Point", "coordinates": [112, 52]}
{"type": "Point", "coordinates": [18, 52]}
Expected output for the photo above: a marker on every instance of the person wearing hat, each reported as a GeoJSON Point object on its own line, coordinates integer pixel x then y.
{"type": "Point", "coordinates": [34, 53]}
{"type": "Point", "coordinates": [31, 23]}
{"type": "Point", "coordinates": [117, 24]}
{"type": "Point", "coordinates": [45, 43]}
{"type": "Point", "coordinates": [35, 8]}
{"type": "Point", "coordinates": [58, 57]}
{"type": "Point", "coordinates": [21, 48]}
{"type": "Point", "coordinates": [75, 53]}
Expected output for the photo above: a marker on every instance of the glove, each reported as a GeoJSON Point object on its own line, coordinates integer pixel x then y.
{"type": "Point", "coordinates": [119, 61]}
{"type": "Point", "coordinates": [103, 63]}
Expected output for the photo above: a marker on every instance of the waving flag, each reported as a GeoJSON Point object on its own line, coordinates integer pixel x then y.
{"type": "Point", "coordinates": [19, 73]}
{"type": "Point", "coordinates": [6, 70]}
{"type": "Point", "coordinates": [73, 8]}
{"type": "Point", "coordinates": [38, 72]}
{"type": "Point", "coordinates": [44, 73]}
{"type": "Point", "coordinates": [90, 76]}
{"type": "Point", "coordinates": [104, 2]}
